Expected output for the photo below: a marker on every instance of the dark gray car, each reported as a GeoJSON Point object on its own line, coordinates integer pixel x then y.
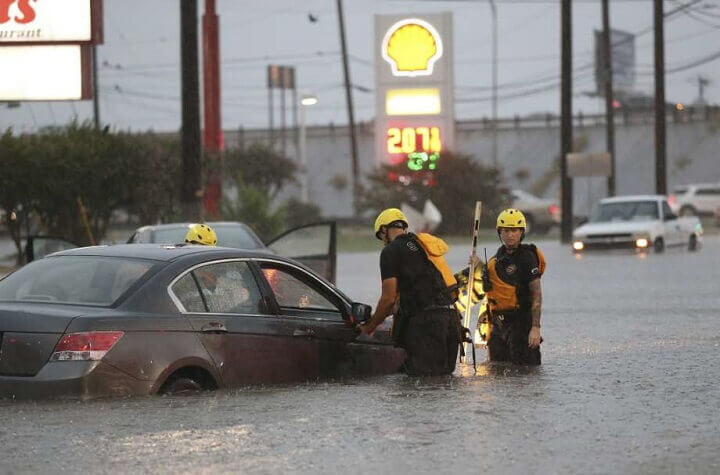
{"type": "Point", "coordinates": [146, 319]}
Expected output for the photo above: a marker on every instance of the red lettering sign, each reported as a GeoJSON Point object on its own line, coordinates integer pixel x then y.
{"type": "Point", "coordinates": [26, 10]}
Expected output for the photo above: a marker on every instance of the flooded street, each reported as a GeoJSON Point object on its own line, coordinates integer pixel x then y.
{"type": "Point", "coordinates": [630, 383]}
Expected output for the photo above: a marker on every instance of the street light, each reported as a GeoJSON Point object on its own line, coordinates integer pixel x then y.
{"type": "Point", "coordinates": [306, 100]}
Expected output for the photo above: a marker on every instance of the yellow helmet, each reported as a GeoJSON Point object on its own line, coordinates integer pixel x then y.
{"type": "Point", "coordinates": [201, 234]}
{"type": "Point", "coordinates": [389, 217]}
{"type": "Point", "coordinates": [511, 218]}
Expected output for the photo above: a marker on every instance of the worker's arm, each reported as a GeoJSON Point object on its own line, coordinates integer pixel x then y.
{"type": "Point", "coordinates": [534, 338]}
{"type": "Point", "coordinates": [384, 306]}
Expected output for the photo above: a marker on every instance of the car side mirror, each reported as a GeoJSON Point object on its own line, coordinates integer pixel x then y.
{"type": "Point", "coordinates": [360, 313]}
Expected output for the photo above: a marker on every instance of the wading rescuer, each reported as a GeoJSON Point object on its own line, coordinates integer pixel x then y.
{"type": "Point", "coordinates": [514, 295]}
{"type": "Point", "coordinates": [426, 324]}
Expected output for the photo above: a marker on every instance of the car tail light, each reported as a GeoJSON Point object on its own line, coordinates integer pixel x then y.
{"type": "Point", "coordinates": [672, 199]}
{"type": "Point", "coordinates": [554, 210]}
{"type": "Point", "coordinates": [86, 346]}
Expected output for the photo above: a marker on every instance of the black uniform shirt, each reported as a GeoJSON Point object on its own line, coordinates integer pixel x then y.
{"type": "Point", "coordinates": [519, 269]}
{"type": "Point", "coordinates": [405, 260]}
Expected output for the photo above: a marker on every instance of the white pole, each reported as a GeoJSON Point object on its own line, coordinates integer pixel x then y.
{"type": "Point", "coordinates": [303, 159]}
{"type": "Point", "coordinates": [471, 274]}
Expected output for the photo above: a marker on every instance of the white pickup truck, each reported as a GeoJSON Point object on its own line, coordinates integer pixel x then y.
{"type": "Point", "coordinates": [638, 222]}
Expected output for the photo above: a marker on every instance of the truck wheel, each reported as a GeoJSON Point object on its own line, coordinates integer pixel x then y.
{"type": "Point", "coordinates": [659, 245]}
{"type": "Point", "coordinates": [693, 243]}
{"type": "Point", "coordinates": [688, 210]}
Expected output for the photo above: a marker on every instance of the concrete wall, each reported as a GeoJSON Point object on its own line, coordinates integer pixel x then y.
{"type": "Point", "coordinates": [529, 145]}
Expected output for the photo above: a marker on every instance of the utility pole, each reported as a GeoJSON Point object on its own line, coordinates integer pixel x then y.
{"type": "Point", "coordinates": [493, 9]}
{"type": "Point", "coordinates": [660, 170]}
{"type": "Point", "coordinates": [351, 119]}
{"type": "Point", "coordinates": [609, 96]}
{"type": "Point", "coordinates": [566, 126]}
{"type": "Point", "coordinates": [96, 89]}
{"type": "Point", "coordinates": [212, 117]}
{"type": "Point", "coordinates": [191, 191]}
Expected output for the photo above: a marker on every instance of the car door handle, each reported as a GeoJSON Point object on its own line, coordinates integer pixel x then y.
{"type": "Point", "coordinates": [304, 332]}
{"type": "Point", "coordinates": [214, 327]}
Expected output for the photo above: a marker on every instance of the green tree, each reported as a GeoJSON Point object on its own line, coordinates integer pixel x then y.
{"type": "Point", "coordinates": [454, 187]}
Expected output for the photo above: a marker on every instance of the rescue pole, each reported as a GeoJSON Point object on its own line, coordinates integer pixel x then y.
{"type": "Point", "coordinates": [471, 274]}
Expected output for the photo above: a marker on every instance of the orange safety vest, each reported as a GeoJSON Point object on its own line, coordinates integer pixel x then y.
{"type": "Point", "coordinates": [503, 296]}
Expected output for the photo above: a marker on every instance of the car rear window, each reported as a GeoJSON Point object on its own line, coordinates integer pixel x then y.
{"type": "Point", "coordinates": [79, 280]}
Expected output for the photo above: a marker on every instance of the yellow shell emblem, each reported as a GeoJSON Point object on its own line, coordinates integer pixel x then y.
{"type": "Point", "coordinates": [411, 47]}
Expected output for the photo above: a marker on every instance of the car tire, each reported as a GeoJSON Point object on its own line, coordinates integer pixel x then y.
{"type": "Point", "coordinates": [188, 381]}
{"type": "Point", "coordinates": [688, 210]}
{"type": "Point", "coordinates": [693, 243]}
{"type": "Point", "coordinates": [659, 245]}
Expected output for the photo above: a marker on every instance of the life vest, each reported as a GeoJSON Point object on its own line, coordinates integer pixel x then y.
{"type": "Point", "coordinates": [435, 249]}
{"type": "Point", "coordinates": [505, 295]}
{"type": "Point", "coordinates": [462, 289]}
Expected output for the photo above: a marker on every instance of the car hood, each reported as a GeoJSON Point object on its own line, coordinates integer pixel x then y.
{"type": "Point", "coordinates": [613, 227]}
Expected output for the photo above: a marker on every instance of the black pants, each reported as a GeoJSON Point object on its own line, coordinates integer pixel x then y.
{"type": "Point", "coordinates": [432, 339]}
{"type": "Point", "coordinates": [509, 339]}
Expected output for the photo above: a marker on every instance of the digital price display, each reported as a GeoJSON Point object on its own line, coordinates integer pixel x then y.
{"type": "Point", "coordinates": [418, 147]}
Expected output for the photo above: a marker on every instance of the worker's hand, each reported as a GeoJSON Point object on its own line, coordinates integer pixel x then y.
{"type": "Point", "coordinates": [366, 328]}
{"type": "Point", "coordinates": [534, 338]}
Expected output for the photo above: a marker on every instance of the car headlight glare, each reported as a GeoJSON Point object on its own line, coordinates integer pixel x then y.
{"type": "Point", "coordinates": [578, 245]}
{"type": "Point", "coordinates": [642, 242]}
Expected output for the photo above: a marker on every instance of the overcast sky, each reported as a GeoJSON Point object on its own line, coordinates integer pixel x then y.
{"type": "Point", "coordinates": [139, 71]}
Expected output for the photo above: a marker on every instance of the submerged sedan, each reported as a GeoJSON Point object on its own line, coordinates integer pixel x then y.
{"type": "Point", "coordinates": [148, 318]}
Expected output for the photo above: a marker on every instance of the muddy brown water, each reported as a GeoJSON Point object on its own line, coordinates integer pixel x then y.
{"type": "Point", "coordinates": [630, 383]}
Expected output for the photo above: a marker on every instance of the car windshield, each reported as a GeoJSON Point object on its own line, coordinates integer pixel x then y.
{"type": "Point", "coordinates": [79, 280]}
{"type": "Point", "coordinates": [228, 236]}
{"type": "Point", "coordinates": [626, 211]}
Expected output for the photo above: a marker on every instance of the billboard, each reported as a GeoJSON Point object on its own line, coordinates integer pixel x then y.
{"type": "Point", "coordinates": [622, 46]}
{"type": "Point", "coordinates": [415, 117]}
{"type": "Point", "coordinates": [45, 73]}
{"type": "Point", "coordinates": [50, 21]}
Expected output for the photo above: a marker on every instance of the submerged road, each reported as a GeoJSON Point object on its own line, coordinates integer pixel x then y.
{"type": "Point", "coordinates": [630, 383]}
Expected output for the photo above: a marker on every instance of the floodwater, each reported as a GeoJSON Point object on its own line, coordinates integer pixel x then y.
{"type": "Point", "coordinates": [630, 383]}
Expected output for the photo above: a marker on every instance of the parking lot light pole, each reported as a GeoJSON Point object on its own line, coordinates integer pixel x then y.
{"type": "Point", "coordinates": [305, 101]}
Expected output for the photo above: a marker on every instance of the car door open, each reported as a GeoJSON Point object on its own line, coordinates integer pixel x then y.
{"type": "Point", "coordinates": [315, 245]}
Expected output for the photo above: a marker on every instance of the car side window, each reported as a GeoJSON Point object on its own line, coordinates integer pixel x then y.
{"type": "Point", "coordinates": [229, 287]}
{"type": "Point", "coordinates": [667, 212]}
{"type": "Point", "coordinates": [708, 192]}
{"type": "Point", "coordinates": [187, 292]}
{"type": "Point", "coordinates": [296, 295]}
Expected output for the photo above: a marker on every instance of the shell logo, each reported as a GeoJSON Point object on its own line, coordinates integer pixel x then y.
{"type": "Point", "coordinates": [412, 46]}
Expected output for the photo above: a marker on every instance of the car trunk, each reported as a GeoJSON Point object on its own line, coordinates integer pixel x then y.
{"type": "Point", "coordinates": [28, 335]}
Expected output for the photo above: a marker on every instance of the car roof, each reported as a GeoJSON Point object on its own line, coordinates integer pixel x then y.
{"type": "Point", "coordinates": [188, 224]}
{"type": "Point", "coordinates": [163, 252]}
{"type": "Point", "coordinates": [616, 199]}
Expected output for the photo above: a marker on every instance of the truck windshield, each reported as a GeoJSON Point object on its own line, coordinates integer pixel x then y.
{"type": "Point", "coordinates": [626, 211]}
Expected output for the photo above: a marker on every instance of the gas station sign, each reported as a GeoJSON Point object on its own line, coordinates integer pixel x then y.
{"type": "Point", "coordinates": [415, 119]}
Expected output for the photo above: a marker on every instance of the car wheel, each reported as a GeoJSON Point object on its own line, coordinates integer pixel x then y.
{"type": "Point", "coordinates": [188, 381]}
{"type": "Point", "coordinates": [688, 211]}
{"type": "Point", "coordinates": [659, 245]}
{"type": "Point", "coordinates": [693, 243]}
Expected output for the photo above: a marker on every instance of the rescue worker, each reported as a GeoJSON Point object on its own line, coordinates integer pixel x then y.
{"type": "Point", "coordinates": [514, 295]}
{"type": "Point", "coordinates": [427, 324]}
{"type": "Point", "coordinates": [201, 234]}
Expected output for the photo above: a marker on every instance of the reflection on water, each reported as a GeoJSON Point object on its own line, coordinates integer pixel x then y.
{"type": "Point", "coordinates": [628, 385]}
